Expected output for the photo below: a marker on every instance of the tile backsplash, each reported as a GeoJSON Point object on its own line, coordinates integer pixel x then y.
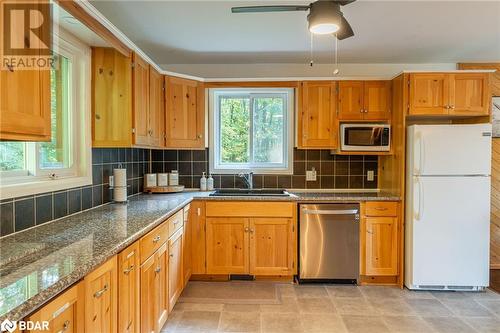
{"type": "Point", "coordinates": [20, 213]}
{"type": "Point", "coordinates": [333, 171]}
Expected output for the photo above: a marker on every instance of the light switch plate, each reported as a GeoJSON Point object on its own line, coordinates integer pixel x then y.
{"type": "Point", "coordinates": [311, 175]}
{"type": "Point", "coordinates": [370, 175]}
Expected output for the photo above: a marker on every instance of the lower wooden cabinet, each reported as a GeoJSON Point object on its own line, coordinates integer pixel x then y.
{"type": "Point", "coordinates": [187, 244]}
{"type": "Point", "coordinates": [129, 289]}
{"type": "Point", "coordinates": [380, 239]}
{"type": "Point", "coordinates": [149, 287]}
{"type": "Point", "coordinates": [101, 298]}
{"type": "Point", "coordinates": [162, 275]}
{"type": "Point", "coordinates": [65, 313]}
{"type": "Point", "coordinates": [257, 246]}
{"type": "Point", "coordinates": [175, 272]}
{"type": "Point", "coordinates": [197, 229]}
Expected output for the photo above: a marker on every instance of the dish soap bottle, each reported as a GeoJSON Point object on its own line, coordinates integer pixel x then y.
{"type": "Point", "coordinates": [203, 182]}
{"type": "Point", "coordinates": [210, 182]}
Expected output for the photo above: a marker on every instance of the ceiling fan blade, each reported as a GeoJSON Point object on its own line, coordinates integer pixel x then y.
{"type": "Point", "coordinates": [345, 30]}
{"type": "Point", "coordinates": [264, 9]}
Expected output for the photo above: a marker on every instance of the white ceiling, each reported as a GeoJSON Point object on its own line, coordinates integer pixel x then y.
{"type": "Point", "coordinates": [205, 32]}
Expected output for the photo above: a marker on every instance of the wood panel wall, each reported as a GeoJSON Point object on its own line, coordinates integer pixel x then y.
{"type": "Point", "coordinates": [495, 168]}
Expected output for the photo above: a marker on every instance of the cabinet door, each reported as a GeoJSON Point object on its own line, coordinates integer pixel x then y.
{"type": "Point", "coordinates": [112, 98]}
{"type": "Point", "coordinates": [156, 109]}
{"type": "Point", "coordinates": [317, 119]}
{"type": "Point", "coordinates": [469, 94]}
{"type": "Point", "coordinates": [186, 246]}
{"type": "Point", "coordinates": [271, 246]}
{"type": "Point", "coordinates": [162, 275]}
{"type": "Point", "coordinates": [141, 101]}
{"type": "Point", "coordinates": [25, 105]}
{"type": "Point", "coordinates": [185, 113]}
{"type": "Point", "coordinates": [381, 245]}
{"type": "Point", "coordinates": [129, 289]}
{"type": "Point", "coordinates": [227, 245]}
{"type": "Point", "coordinates": [350, 100]}
{"type": "Point", "coordinates": [429, 94]}
{"type": "Point", "coordinates": [65, 313]}
{"type": "Point", "coordinates": [197, 224]}
{"type": "Point", "coordinates": [175, 273]}
{"type": "Point", "coordinates": [101, 298]}
{"type": "Point", "coordinates": [149, 295]}
{"type": "Point", "coordinates": [377, 100]}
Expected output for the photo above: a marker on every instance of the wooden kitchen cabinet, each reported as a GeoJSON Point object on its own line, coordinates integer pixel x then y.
{"type": "Point", "coordinates": [25, 105]}
{"type": "Point", "coordinates": [185, 113]}
{"type": "Point", "coordinates": [272, 247]}
{"type": "Point", "coordinates": [156, 115]}
{"type": "Point", "coordinates": [187, 243]}
{"type": "Point", "coordinates": [379, 239]}
{"type": "Point", "coordinates": [227, 245]}
{"type": "Point", "coordinates": [129, 289]}
{"type": "Point", "coordinates": [197, 227]}
{"type": "Point", "coordinates": [140, 96]}
{"type": "Point", "coordinates": [65, 313]}
{"type": "Point", "coordinates": [101, 298]}
{"type": "Point", "coordinates": [175, 272]}
{"type": "Point", "coordinates": [111, 98]}
{"type": "Point", "coordinates": [446, 94]}
{"type": "Point", "coordinates": [317, 118]}
{"type": "Point", "coordinates": [364, 100]}
{"type": "Point", "coordinates": [162, 271]}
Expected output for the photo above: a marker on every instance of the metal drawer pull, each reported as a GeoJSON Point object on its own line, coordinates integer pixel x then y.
{"type": "Point", "coordinates": [60, 310]}
{"type": "Point", "coordinates": [158, 269]}
{"type": "Point", "coordinates": [381, 208]}
{"type": "Point", "coordinates": [128, 270]}
{"type": "Point", "coordinates": [176, 221]}
{"type": "Point", "coordinates": [99, 293]}
{"type": "Point", "coordinates": [330, 212]}
{"type": "Point", "coordinates": [156, 239]}
{"type": "Point", "coordinates": [65, 327]}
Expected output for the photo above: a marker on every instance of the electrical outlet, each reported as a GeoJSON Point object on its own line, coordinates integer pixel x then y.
{"type": "Point", "coordinates": [311, 175]}
{"type": "Point", "coordinates": [370, 175]}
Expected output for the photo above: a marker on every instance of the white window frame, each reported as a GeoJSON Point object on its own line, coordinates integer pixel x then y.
{"type": "Point", "coordinates": [20, 182]}
{"type": "Point", "coordinates": [214, 138]}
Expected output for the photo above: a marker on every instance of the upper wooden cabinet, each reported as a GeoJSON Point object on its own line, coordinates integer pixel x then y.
{"type": "Point", "coordinates": [140, 87]}
{"type": "Point", "coordinates": [101, 298]}
{"type": "Point", "coordinates": [129, 289]}
{"type": "Point", "coordinates": [128, 104]}
{"type": "Point", "coordinates": [185, 114]}
{"type": "Point", "coordinates": [25, 105]}
{"type": "Point", "coordinates": [316, 122]}
{"type": "Point", "coordinates": [111, 98]}
{"type": "Point", "coordinates": [364, 100]}
{"type": "Point", "coordinates": [65, 313]}
{"type": "Point", "coordinates": [457, 94]}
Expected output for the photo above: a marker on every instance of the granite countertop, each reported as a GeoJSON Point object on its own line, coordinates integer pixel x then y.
{"type": "Point", "coordinates": [39, 263]}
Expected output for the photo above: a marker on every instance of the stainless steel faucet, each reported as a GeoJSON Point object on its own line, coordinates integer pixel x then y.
{"type": "Point", "coordinates": [248, 178]}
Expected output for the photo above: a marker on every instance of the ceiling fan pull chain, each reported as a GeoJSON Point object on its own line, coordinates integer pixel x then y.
{"type": "Point", "coordinates": [311, 63]}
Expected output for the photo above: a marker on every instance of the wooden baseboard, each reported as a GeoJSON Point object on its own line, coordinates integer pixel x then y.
{"type": "Point", "coordinates": [378, 280]}
{"type": "Point", "coordinates": [225, 277]}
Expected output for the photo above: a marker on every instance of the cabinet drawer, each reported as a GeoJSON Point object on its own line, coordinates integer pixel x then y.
{"type": "Point", "coordinates": [381, 208]}
{"type": "Point", "coordinates": [153, 240]}
{"type": "Point", "coordinates": [250, 209]}
{"type": "Point", "coordinates": [175, 223]}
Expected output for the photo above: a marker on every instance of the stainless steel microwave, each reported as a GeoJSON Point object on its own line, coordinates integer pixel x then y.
{"type": "Point", "coordinates": [365, 137]}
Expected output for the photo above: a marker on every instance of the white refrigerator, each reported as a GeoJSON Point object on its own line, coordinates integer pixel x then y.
{"type": "Point", "coordinates": [447, 227]}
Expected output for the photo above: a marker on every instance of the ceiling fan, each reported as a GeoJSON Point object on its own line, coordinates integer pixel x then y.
{"type": "Point", "coordinates": [325, 16]}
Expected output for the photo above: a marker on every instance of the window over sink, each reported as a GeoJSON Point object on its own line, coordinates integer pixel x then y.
{"type": "Point", "coordinates": [251, 130]}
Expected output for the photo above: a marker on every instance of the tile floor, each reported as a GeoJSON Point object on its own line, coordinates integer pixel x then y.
{"type": "Point", "coordinates": [327, 308]}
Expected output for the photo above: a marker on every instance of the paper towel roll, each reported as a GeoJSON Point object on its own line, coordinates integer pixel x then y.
{"type": "Point", "coordinates": [120, 194]}
{"type": "Point", "coordinates": [120, 177]}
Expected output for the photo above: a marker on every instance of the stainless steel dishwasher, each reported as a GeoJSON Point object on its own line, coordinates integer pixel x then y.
{"type": "Point", "coordinates": [329, 243]}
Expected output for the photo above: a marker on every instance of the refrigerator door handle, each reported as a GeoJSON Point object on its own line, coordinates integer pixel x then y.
{"type": "Point", "coordinates": [416, 213]}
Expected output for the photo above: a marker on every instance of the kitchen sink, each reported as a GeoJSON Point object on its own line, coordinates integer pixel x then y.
{"type": "Point", "coordinates": [250, 192]}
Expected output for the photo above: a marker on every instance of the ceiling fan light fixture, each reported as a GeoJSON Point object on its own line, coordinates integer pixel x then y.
{"type": "Point", "coordinates": [324, 18]}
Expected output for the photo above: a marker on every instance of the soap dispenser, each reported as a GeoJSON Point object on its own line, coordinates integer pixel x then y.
{"type": "Point", "coordinates": [203, 182]}
{"type": "Point", "coordinates": [210, 182]}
